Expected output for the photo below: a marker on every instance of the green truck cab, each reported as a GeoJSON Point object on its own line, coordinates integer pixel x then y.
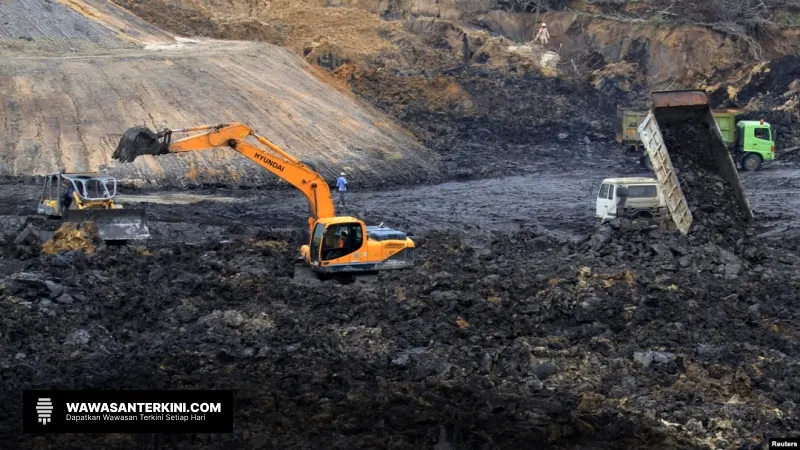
{"type": "Point", "coordinates": [755, 143]}
{"type": "Point", "coordinates": [751, 141]}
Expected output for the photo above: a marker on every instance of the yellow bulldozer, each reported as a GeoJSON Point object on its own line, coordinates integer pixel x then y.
{"type": "Point", "coordinates": [90, 197]}
{"type": "Point", "coordinates": [337, 245]}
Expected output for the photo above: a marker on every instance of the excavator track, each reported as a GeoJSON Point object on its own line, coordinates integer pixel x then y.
{"type": "Point", "coordinates": [303, 274]}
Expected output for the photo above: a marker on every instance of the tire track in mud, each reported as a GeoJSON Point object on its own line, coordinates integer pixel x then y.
{"type": "Point", "coordinates": [774, 196]}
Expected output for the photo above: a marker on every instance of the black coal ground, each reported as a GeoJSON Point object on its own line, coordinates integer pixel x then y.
{"type": "Point", "coordinates": [629, 338]}
{"type": "Point", "coordinates": [639, 342]}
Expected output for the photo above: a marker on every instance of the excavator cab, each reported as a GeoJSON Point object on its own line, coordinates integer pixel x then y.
{"type": "Point", "coordinates": [347, 245]}
{"type": "Point", "coordinates": [338, 241]}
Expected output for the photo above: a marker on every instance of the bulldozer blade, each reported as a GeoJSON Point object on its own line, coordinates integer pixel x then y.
{"type": "Point", "coordinates": [136, 142]}
{"type": "Point", "coordinates": [113, 224]}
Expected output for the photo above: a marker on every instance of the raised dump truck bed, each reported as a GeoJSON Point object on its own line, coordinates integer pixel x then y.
{"type": "Point", "coordinates": [691, 160]}
{"type": "Point", "coordinates": [628, 122]}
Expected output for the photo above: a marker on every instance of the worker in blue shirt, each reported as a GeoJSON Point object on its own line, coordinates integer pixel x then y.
{"type": "Point", "coordinates": [341, 184]}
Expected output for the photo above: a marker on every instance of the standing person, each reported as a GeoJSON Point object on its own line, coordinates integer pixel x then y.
{"type": "Point", "coordinates": [68, 196]}
{"type": "Point", "coordinates": [341, 184]}
{"type": "Point", "coordinates": [542, 35]}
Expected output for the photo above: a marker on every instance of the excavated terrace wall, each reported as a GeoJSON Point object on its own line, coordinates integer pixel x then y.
{"type": "Point", "coordinates": [670, 56]}
{"type": "Point", "coordinates": [88, 70]}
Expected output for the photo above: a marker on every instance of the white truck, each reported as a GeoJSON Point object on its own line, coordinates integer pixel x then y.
{"type": "Point", "coordinates": [643, 199]}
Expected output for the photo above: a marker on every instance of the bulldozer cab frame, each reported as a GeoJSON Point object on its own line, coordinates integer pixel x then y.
{"type": "Point", "coordinates": [93, 201]}
{"type": "Point", "coordinates": [50, 203]}
{"type": "Point", "coordinates": [90, 191]}
{"type": "Point", "coordinates": [93, 188]}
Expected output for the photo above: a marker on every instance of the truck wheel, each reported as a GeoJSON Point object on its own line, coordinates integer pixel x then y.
{"type": "Point", "coordinates": [646, 163]}
{"type": "Point", "coordinates": [751, 162]}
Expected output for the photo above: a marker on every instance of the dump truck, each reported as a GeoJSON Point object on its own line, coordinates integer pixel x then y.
{"type": "Point", "coordinates": [681, 136]}
{"type": "Point", "coordinates": [750, 141]}
{"type": "Point", "coordinates": [90, 197]}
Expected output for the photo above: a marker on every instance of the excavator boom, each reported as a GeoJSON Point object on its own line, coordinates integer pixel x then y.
{"type": "Point", "coordinates": [141, 141]}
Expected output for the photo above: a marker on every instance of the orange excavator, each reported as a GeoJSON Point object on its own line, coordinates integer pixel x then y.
{"type": "Point", "coordinates": [338, 245]}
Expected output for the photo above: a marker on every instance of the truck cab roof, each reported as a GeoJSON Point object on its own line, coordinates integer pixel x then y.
{"type": "Point", "coordinates": [752, 123]}
{"type": "Point", "coordinates": [630, 180]}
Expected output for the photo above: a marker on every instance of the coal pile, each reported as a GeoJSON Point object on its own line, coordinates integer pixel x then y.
{"type": "Point", "coordinates": [486, 123]}
{"type": "Point", "coordinates": [710, 197]}
{"type": "Point", "coordinates": [633, 343]}
{"type": "Point", "coordinates": [774, 84]}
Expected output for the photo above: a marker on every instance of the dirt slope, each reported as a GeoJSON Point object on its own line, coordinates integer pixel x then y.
{"type": "Point", "coordinates": [31, 27]}
{"type": "Point", "coordinates": [69, 109]}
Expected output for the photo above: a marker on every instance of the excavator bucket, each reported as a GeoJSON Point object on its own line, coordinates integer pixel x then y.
{"type": "Point", "coordinates": [136, 142]}
{"type": "Point", "coordinates": [112, 224]}
{"type": "Point", "coordinates": [682, 138]}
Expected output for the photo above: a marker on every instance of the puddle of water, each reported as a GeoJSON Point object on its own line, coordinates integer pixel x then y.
{"type": "Point", "coordinates": [173, 199]}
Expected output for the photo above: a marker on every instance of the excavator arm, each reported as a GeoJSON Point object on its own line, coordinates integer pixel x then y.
{"type": "Point", "coordinates": [141, 141]}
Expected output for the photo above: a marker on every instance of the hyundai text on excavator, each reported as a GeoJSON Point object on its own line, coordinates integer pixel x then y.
{"type": "Point", "coordinates": [337, 244]}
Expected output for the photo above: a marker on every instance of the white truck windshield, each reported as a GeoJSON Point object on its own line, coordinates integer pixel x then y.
{"type": "Point", "coordinates": [642, 191]}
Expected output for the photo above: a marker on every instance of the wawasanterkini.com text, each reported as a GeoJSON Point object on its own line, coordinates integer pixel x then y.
{"type": "Point", "coordinates": [142, 407]}
{"type": "Point", "coordinates": [136, 411]}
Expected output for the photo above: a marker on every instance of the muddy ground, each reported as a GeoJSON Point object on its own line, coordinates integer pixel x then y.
{"type": "Point", "coordinates": [521, 326]}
